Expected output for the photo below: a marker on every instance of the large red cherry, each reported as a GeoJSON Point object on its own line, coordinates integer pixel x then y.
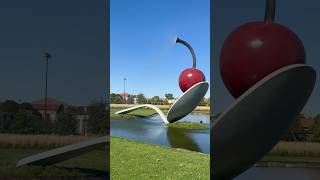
{"type": "Point", "coordinates": [190, 76]}
{"type": "Point", "coordinates": [256, 49]}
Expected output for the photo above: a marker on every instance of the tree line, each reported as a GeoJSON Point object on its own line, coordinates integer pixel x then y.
{"type": "Point", "coordinates": [141, 99]}
{"type": "Point", "coordinates": [24, 119]}
{"type": "Point", "coordinates": [298, 132]}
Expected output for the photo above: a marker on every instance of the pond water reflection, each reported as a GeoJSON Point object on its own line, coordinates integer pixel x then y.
{"type": "Point", "coordinates": [152, 130]}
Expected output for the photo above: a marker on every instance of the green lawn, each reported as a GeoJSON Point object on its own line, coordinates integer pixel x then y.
{"type": "Point", "coordinates": [91, 164]}
{"type": "Point", "coordinates": [132, 115]}
{"type": "Point", "coordinates": [136, 160]}
{"type": "Point", "coordinates": [189, 126]}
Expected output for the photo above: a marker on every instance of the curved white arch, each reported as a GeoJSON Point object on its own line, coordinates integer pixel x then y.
{"type": "Point", "coordinates": [155, 108]}
{"type": "Point", "coordinates": [64, 153]}
{"type": "Point", "coordinates": [181, 107]}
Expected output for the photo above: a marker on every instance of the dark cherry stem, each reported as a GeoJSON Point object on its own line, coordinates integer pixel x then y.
{"type": "Point", "coordinates": [190, 49]}
{"type": "Point", "coordinates": [270, 10]}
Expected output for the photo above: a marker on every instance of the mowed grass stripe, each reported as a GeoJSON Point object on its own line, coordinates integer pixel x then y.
{"type": "Point", "coordinates": [136, 160]}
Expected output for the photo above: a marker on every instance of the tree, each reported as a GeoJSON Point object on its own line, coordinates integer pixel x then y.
{"type": "Point", "coordinates": [116, 99]}
{"type": "Point", "coordinates": [314, 135]}
{"type": "Point", "coordinates": [203, 102]}
{"type": "Point", "coordinates": [65, 124]}
{"type": "Point", "coordinates": [25, 122]}
{"type": "Point", "coordinates": [130, 99]}
{"type": "Point", "coordinates": [9, 106]}
{"type": "Point", "coordinates": [155, 99]}
{"type": "Point", "coordinates": [169, 96]}
{"type": "Point", "coordinates": [141, 99]}
{"type": "Point", "coordinates": [98, 122]}
{"type": "Point", "coordinates": [294, 130]}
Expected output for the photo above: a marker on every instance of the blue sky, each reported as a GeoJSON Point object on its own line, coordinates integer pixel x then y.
{"type": "Point", "coordinates": [300, 16]}
{"type": "Point", "coordinates": [143, 48]}
{"type": "Point", "coordinates": [73, 31]}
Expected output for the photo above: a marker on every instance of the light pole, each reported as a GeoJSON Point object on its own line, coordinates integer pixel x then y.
{"type": "Point", "coordinates": [124, 89]}
{"type": "Point", "coordinates": [47, 56]}
{"type": "Point", "coordinates": [85, 120]}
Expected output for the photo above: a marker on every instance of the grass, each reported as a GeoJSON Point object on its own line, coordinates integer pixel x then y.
{"type": "Point", "coordinates": [294, 152]}
{"type": "Point", "coordinates": [37, 141]}
{"type": "Point", "coordinates": [188, 126]}
{"type": "Point", "coordinates": [91, 164]}
{"type": "Point", "coordinates": [296, 149]}
{"type": "Point", "coordinates": [14, 147]}
{"type": "Point", "coordinates": [140, 112]}
{"type": "Point", "coordinates": [136, 160]}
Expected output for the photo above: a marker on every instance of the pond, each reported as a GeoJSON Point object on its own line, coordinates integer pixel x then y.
{"type": "Point", "coordinates": [152, 130]}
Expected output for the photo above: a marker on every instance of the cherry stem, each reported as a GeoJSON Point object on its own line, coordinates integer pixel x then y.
{"type": "Point", "coordinates": [190, 49]}
{"type": "Point", "coordinates": [270, 10]}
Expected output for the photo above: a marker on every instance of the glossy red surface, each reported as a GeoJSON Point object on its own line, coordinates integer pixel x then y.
{"type": "Point", "coordinates": [254, 50]}
{"type": "Point", "coordinates": [190, 77]}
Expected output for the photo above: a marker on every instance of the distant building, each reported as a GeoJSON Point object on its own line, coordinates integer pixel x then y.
{"type": "Point", "coordinates": [306, 123]}
{"type": "Point", "coordinates": [135, 100]}
{"type": "Point", "coordinates": [171, 101]}
{"type": "Point", "coordinates": [53, 107]}
{"type": "Point", "coordinates": [124, 96]}
{"type": "Point", "coordinates": [81, 116]}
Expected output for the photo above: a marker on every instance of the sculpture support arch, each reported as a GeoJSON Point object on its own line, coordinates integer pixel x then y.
{"type": "Point", "coordinates": [153, 107]}
{"type": "Point", "coordinates": [181, 107]}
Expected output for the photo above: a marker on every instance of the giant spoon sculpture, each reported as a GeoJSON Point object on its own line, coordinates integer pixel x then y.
{"type": "Point", "coordinates": [192, 83]}
{"type": "Point", "coordinates": [262, 65]}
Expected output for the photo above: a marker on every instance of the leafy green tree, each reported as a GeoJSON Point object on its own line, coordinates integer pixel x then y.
{"type": "Point", "coordinates": [203, 102]}
{"type": "Point", "coordinates": [64, 124]}
{"type": "Point", "coordinates": [155, 99]}
{"type": "Point", "coordinates": [293, 131]}
{"type": "Point", "coordinates": [314, 135]}
{"type": "Point", "coordinates": [169, 96]}
{"type": "Point", "coordinates": [130, 99]}
{"type": "Point", "coordinates": [9, 106]}
{"type": "Point", "coordinates": [104, 124]}
{"type": "Point", "coordinates": [141, 99]}
{"type": "Point", "coordinates": [25, 122]}
{"type": "Point", "coordinates": [98, 122]}
{"type": "Point", "coordinates": [116, 99]}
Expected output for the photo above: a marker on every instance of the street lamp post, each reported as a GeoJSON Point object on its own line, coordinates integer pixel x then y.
{"type": "Point", "coordinates": [124, 89]}
{"type": "Point", "coordinates": [85, 120]}
{"type": "Point", "coordinates": [47, 56]}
